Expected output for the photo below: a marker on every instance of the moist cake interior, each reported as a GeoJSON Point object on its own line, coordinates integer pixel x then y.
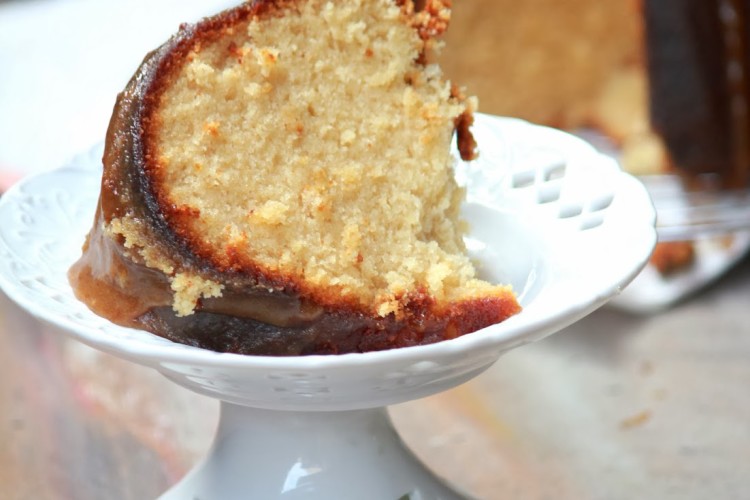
{"type": "Point", "coordinates": [347, 140]}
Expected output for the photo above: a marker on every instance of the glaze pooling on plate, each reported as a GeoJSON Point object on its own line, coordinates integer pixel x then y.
{"type": "Point", "coordinates": [548, 214]}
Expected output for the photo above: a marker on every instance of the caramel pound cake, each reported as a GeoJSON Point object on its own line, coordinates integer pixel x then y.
{"type": "Point", "coordinates": [278, 181]}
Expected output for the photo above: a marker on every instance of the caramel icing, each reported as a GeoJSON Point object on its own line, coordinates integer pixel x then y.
{"type": "Point", "coordinates": [112, 285]}
{"type": "Point", "coordinates": [116, 286]}
{"type": "Point", "coordinates": [255, 321]}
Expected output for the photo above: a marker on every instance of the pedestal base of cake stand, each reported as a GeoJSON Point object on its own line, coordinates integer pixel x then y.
{"type": "Point", "coordinates": [312, 455]}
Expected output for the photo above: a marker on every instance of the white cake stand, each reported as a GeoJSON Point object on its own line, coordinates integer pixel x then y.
{"type": "Point", "coordinates": [548, 214]}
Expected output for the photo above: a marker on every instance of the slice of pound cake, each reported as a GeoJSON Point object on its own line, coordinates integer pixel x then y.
{"type": "Point", "coordinates": [278, 180]}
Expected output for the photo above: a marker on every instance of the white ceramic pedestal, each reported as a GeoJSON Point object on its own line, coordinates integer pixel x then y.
{"type": "Point", "coordinates": [302, 455]}
{"type": "Point", "coordinates": [548, 214]}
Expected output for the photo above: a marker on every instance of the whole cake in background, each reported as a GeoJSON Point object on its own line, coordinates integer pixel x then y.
{"type": "Point", "coordinates": [278, 180]}
{"type": "Point", "coordinates": [666, 80]}
{"type": "Point", "coordinates": [570, 65]}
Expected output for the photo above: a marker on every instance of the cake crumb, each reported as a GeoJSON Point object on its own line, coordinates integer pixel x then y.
{"type": "Point", "coordinates": [271, 212]}
{"type": "Point", "coordinates": [670, 257]}
{"type": "Point", "coordinates": [347, 137]}
{"type": "Point", "coordinates": [636, 420]}
{"type": "Point", "coordinates": [211, 128]}
{"type": "Point", "coordinates": [188, 289]}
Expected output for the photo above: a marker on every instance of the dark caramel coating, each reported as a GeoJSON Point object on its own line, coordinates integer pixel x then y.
{"type": "Point", "coordinates": [333, 332]}
{"type": "Point", "coordinates": [698, 62]}
{"type": "Point", "coordinates": [258, 312]}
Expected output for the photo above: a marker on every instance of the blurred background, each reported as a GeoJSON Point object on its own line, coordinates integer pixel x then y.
{"type": "Point", "coordinates": [647, 398]}
{"type": "Point", "coordinates": [62, 63]}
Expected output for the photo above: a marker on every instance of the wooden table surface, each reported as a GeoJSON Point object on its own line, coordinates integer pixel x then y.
{"type": "Point", "coordinates": [616, 406]}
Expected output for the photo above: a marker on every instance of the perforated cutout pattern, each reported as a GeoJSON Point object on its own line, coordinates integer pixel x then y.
{"type": "Point", "coordinates": [546, 173]}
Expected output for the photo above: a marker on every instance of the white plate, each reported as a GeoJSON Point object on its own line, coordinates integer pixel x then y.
{"type": "Point", "coordinates": [548, 214]}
